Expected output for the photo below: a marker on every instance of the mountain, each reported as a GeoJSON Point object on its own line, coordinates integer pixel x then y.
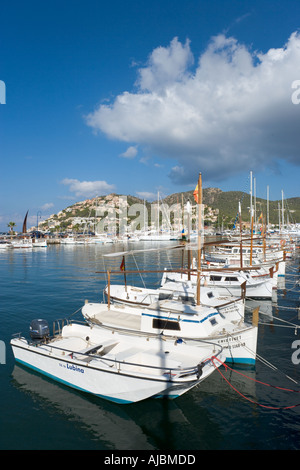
{"type": "Point", "coordinates": [227, 205]}
{"type": "Point", "coordinates": [220, 209]}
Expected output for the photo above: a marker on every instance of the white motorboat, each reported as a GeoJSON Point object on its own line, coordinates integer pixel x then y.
{"type": "Point", "coordinates": [39, 243]}
{"type": "Point", "coordinates": [186, 322]}
{"type": "Point", "coordinates": [156, 236]}
{"type": "Point", "coordinates": [72, 241]}
{"type": "Point", "coordinates": [4, 244]}
{"type": "Point", "coordinates": [114, 366]}
{"type": "Point", "coordinates": [21, 243]}
{"type": "Point", "coordinates": [102, 239]}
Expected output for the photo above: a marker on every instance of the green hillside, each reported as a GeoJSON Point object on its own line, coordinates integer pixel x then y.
{"type": "Point", "coordinates": [227, 204]}
{"type": "Point", "coordinates": [221, 209]}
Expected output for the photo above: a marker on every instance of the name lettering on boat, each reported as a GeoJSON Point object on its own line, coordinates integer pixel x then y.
{"type": "Point", "coordinates": [72, 367]}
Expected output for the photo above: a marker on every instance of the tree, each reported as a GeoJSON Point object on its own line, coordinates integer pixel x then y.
{"type": "Point", "coordinates": [11, 225]}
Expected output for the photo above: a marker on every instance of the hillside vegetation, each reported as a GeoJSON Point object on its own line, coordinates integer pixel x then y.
{"type": "Point", "coordinates": [220, 209]}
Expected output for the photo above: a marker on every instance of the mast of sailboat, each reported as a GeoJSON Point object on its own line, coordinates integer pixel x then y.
{"type": "Point", "coordinates": [251, 209]}
{"type": "Point", "coordinates": [268, 209]}
{"type": "Point", "coordinates": [282, 210]}
{"type": "Point", "coordinates": [254, 184]}
{"type": "Point", "coordinates": [251, 243]}
{"type": "Point", "coordinates": [188, 209]}
{"type": "Point", "coordinates": [199, 236]}
{"type": "Point", "coordinates": [158, 213]}
{"type": "Point", "coordinates": [241, 235]}
{"type": "Point", "coordinates": [24, 229]}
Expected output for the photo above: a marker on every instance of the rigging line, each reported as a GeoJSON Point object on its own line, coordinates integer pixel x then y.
{"type": "Point", "coordinates": [280, 326]}
{"type": "Point", "coordinates": [283, 321]}
{"type": "Point", "coordinates": [74, 313]}
{"type": "Point", "coordinates": [274, 368]}
{"type": "Point", "coordinates": [142, 279]}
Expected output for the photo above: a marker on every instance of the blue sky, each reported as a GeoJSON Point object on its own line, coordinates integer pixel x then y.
{"type": "Point", "coordinates": [137, 97]}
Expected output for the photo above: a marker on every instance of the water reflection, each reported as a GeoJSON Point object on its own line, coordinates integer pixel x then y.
{"type": "Point", "coordinates": [146, 426]}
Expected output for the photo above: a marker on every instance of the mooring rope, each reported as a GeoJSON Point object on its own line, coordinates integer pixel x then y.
{"type": "Point", "coordinates": [257, 381]}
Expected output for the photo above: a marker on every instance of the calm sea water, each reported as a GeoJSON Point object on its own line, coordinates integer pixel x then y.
{"type": "Point", "coordinates": [37, 413]}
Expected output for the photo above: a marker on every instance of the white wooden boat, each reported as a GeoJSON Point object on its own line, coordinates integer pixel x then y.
{"type": "Point", "coordinates": [257, 268]}
{"type": "Point", "coordinates": [186, 322]}
{"type": "Point", "coordinates": [228, 282]}
{"type": "Point", "coordinates": [113, 366]}
{"type": "Point", "coordinates": [181, 292]}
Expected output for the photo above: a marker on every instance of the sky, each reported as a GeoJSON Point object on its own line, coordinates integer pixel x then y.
{"type": "Point", "coordinates": [137, 97]}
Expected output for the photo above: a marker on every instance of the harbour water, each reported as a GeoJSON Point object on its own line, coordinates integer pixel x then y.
{"type": "Point", "coordinates": [242, 409]}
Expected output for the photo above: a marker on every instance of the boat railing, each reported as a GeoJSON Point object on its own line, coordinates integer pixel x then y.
{"type": "Point", "coordinates": [58, 325]}
{"type": "Point", "coordinates": [84, 357]}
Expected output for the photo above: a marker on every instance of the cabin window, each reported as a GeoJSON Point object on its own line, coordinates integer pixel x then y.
{"type": "Point", "coordinates": [161, 324]}
{"type": "Point", "coordinates": [213, 322]}
{"type": "Point", "coordinates": [229, 278]}
{"type": "Point", "coordinates": [210, 295]}
{"type": "Point", "coordinates": [185, 298]}
{"type": "Point", "coordinates": [164, 296]}
{"type": "Point", "coordinates": [215, 278]}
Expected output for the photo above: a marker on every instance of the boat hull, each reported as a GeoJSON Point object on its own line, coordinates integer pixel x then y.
{"type": "Point", "coordinates": [128, 375]}
{"type": "Point", "coordinates": [95, 382]}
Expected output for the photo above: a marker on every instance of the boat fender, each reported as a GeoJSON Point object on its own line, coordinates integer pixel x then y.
{"type": "Point", "coordinates": [199, 370]}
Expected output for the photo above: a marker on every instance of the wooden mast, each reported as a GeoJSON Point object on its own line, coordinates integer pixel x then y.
{"type": "Point", "coordinates": [251, 244]}
{"type": "Point", "coordinates": [199, 236]}
{"type": "Point", "coordinates": [241, 235]}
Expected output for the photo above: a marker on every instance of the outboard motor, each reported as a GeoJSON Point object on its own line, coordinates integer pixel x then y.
{"type": "Point", "coordinates": [39, 329]}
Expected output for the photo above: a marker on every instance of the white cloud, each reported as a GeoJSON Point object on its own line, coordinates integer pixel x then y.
{"type": "Point", "coordinates": [88, 189]}
{"type": "Point", "coordinates": [131, 152]}
{"type": "Point", "coordinates": [144, 160]}
{"type": "Point", "coordinates": [232, 113]}
{"type": "Point", "coordinates": [166, 66]}
{"type": "Point", "coordinates": [47, 206]}
{"type": "Point", "coordinates": [146, 195]}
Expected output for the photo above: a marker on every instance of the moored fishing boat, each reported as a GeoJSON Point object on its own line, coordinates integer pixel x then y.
{"type": "Point", "coordinates": [114, 366]}
{"type": "Point", "coordinates": [181, 292]}
{"type": "Point", "coordinates": [185, 322]}
{"type": "Point", "coordinates": [228, 282]}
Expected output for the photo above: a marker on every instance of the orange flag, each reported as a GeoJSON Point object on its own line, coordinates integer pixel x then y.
{"type": "Point", "coordinates": [195, 194]}
{"type": "Point", "coordinates": [122, 266]}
